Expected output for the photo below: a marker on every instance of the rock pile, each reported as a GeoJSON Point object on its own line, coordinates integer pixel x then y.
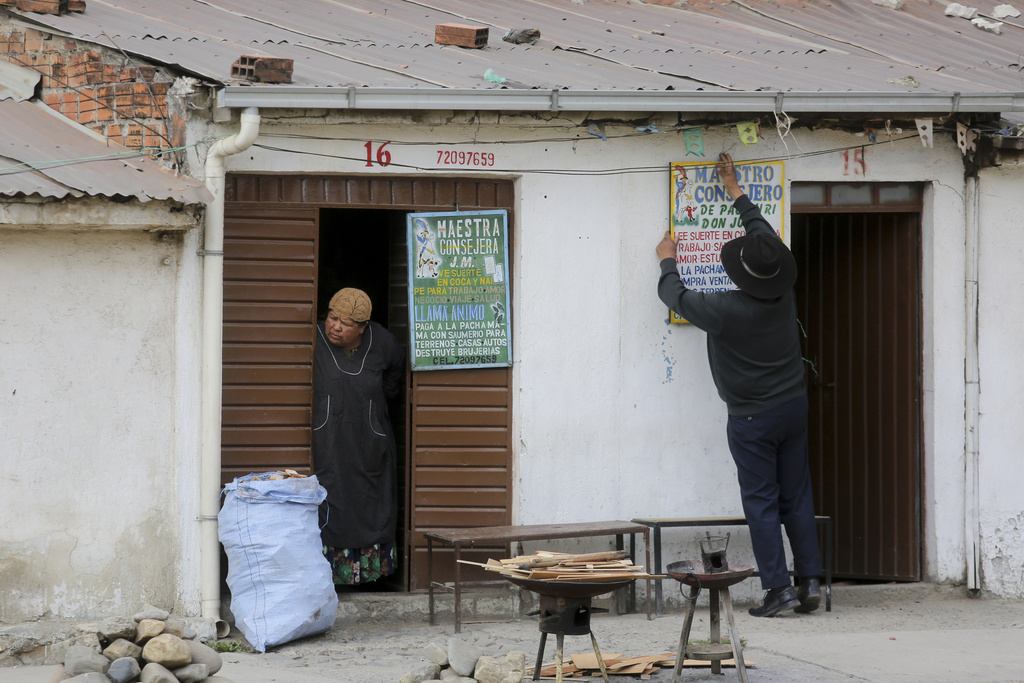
{"type": "Point", "coordinates": [462, 662]}
{"type": "Point", "coordinates": [152, 647]}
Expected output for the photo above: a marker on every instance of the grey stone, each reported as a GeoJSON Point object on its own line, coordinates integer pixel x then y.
{"type": "Point", "coordinates": [203, 630]}
{"type": "Point", "coordinates": [447, 674]}
{"type": "Point", "coordinates": [81, 660]}
{"type": "Point", "coordinates": [110, 628]}
{"type": "Point", "coordinates": [462, 656]}
{"type": "Point", "coordinates": [436, 653]}
{"type": "Point", "coordinates": [167, 650]}
{"type": "Point", "coordinates": [204, 654]}
{"type": "Point", "coordinates": [193, 673]}
{"type": "Point", "coordinates": [154, 673]}
{"type": "Point", "coordinates": [148, 628]}
{"type": "Point", "coordinates": [151, 612]}
{"type": "Point", "coordinates": [459, 679]}
{"type": "Point", "coordinates": [508, 669]}
{"type": "Point", "coordinates": [91, 677]}
{"type": "Point", "coordinates": [427, 672]}
{"type": "Point", "coordinates": [175, 627]}
{"type": "Point", "coordinates": [124, 669]}
{"type": "Point", "coordinates": [122, 648]}
{"type": "Point", "coordinates": [90, 640]}
{"type": "Point", "coordinates": [218, 679]}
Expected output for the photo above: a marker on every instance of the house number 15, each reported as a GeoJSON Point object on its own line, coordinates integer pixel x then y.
{"type": "Point", "coordinates": [383, 155]}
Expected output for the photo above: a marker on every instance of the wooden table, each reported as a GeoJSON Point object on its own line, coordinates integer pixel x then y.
{"type": "Point", "coordinates": [469, 537]}
{"type": "Point", "coordinates": [658, 523]}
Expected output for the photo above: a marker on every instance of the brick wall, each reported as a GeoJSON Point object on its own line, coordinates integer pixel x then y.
{"type": "Point", "coordinates": [124, 102]}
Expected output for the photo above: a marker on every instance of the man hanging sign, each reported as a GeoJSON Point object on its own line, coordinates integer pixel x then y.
{"type": "Point", "coordinates": [458, 290]}
{"type": "Point", "coordinates": [703, 219]}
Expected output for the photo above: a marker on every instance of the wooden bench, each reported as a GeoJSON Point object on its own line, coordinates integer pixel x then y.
{"type": "Point", "coordinates": [659, 523]}
{"type": "Point", "coordinates": [461, 538]}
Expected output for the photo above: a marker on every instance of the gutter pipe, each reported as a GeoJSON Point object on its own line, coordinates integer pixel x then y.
{"type": "Point", "coordinates": [972, 386]}
{"type": "Point", "coordinates": [213, 338]}
{"type": "Point", "coordinates": [936, 104]}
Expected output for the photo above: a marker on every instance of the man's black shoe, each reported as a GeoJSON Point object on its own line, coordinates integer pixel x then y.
{"type": "Point", "coordinates": [776, 600]}
{"type": "Point", "coordinates": [809, 594]}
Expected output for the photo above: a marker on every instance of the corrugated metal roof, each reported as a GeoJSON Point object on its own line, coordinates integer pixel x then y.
{"type": "Point", "coordinates": [586, 45]}
{"type": "Point", "coordinates": [42, 154]}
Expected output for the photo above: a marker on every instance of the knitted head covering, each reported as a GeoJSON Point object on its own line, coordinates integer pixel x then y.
{"type": "Point", "coordinates": [351, 303]}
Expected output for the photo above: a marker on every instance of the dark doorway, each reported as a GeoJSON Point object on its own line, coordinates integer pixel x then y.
{"type": "Point", "coordinates": [355, 249]}
{"type": "Point", "coordinates": [859, 304]}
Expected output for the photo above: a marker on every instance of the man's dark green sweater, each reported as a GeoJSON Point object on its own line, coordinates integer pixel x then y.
{"type": "Point", "coordinates": [753, 344]}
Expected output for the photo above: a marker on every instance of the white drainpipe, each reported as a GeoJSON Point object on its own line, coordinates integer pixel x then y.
{"type": "Point", "coordinates": [213, 337]}
{"type": "Point", "coordinates": [972, 373]}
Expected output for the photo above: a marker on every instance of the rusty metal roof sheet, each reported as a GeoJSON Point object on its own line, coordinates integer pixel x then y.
{"type": "Point", "coordinates": [44, 155]}
{"type": "Point", "coordinates": [586, 45]}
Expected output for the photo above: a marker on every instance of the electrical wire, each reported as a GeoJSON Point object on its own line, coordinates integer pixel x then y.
{"type": "Point", "coordinates": [629, 170]}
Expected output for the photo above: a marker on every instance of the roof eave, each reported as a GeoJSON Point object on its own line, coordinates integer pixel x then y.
{"type": "Point", "coordinates": [455, 99]}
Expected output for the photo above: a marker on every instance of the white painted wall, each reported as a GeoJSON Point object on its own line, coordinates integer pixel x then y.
{"type": "Point", "coordinates": [96, 401]}
{"type": "Point", "coordinates": [616, 415]}
{"type": "Point", "coordinates": [1001, 430]}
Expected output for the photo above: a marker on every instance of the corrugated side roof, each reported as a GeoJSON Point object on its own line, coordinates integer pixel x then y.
{"type": "Point", "coordinates": [42, 154]}
{"type": "Point", "coordinates": [746, 45]}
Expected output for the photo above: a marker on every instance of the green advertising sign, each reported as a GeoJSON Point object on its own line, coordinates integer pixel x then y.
{"type": "Point", "coordinates": [458, 290]}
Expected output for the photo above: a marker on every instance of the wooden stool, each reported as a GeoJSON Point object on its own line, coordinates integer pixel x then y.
{"type": "Point", "coordinates": [715, 651]}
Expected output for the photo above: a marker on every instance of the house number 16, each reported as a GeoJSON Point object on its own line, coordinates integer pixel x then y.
{"type": "Point", "coordinates": [383, 155]}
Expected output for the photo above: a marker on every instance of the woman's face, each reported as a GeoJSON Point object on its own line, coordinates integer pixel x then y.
{"type": "Point", "coordinates": [343, 332]}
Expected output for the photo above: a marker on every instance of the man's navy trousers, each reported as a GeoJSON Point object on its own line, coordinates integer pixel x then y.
{"type": "Point", "coordinates": [770, 451]}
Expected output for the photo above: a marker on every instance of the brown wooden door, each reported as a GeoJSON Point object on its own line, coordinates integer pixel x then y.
{"type": "Point", "coordinates": [859, 303]}
{"type": "Point", "coordinates": [454, 433]}
{"type": "Point", "coordinates": [269, 287]}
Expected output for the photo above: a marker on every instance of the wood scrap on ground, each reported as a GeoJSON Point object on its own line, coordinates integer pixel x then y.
{"type": "Point", "coordinates": [547, 565]}
{"type": "Point", "coordinates": [585, 665]}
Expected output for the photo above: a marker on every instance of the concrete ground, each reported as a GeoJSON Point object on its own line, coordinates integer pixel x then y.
{"type": "Point", "coordinates": [881, 634]}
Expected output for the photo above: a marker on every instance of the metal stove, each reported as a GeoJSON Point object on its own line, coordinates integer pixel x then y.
{"type": "Point", "coordinates": [565, 609]}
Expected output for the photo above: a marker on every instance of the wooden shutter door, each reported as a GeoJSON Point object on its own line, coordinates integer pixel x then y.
{"type": "Point", "coordinates": [269, 322]}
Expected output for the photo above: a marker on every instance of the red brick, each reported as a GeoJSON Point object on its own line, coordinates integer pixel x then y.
{"type": "Point", "coordinates": [128, 74]}
{"type": "Point", "coordinates": [77, 81]}
{"type": "Point", "coordinates": [87, 116]}
{"type": "Point", "coordinates": [104, 113]}
{"type": "Point", "coordinates": [70, 45]}
{"type": "Point", "coordinates": [114, 131]}
{"type": "Point", "coordinates": [147, 73]}
{"type": "Point", "coordinates": [110, 73]}
{"type": "Point", "coordinates": [52, 99]}
{"type": "Point", "coordinates": [133, 141]}
{"type": "Point", "coordinates": [160, 87]}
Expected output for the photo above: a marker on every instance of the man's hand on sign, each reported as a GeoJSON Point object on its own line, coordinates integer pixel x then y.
{"type": "Point", "coordinates": [727, 172]}
{"type": "Point", "coordinates": [666, 247]}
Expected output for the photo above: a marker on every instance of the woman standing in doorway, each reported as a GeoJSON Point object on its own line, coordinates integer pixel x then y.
{"type": "Point", "coordinates": [358, 368]}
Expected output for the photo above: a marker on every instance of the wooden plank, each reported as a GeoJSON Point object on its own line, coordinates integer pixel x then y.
{"type": "Point", "coordinates": [462, 396]}
{"type": "Point", "coordinates": [460, 416]}
{"type": "Point", "coordinates": [448, 517]}
{"type": "Point", "coordinates": [266, 457]}
{"type": "Point", "coordinates": [440, 456]}
{"type": "Point", "coordinates": [265, 436]}
{"type": "Point", "coordinates": [275, 354]}
{"type": "Point", "coordinates": [267, 374]}
{"type": "Point", "coordinates": [292, 292]}
{"type": "Point", "coordinates": [258, 271]}
{"type": "Point", "coordinates": [458, 497]}
{"type": "Point", "coordinates": [299, 416]}
{"type": "Point", "coordinates": [261, 312]}
{"type": "Point", "coordinates": [252, 250]}
{"type": "Point", "coordinates": [247, 395]}
{"type": "Point", "coordinates": [496, 377]}
{"type": "Point", "coordinates": [462, 477]}
{"type": "Point", "coordinates": [467, 436]}
{"type": "Point", "coordinates": [288, 333]}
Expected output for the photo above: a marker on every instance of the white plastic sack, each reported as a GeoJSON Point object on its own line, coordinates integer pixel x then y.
{"type": "Point", "coordinates": [280, 581]}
